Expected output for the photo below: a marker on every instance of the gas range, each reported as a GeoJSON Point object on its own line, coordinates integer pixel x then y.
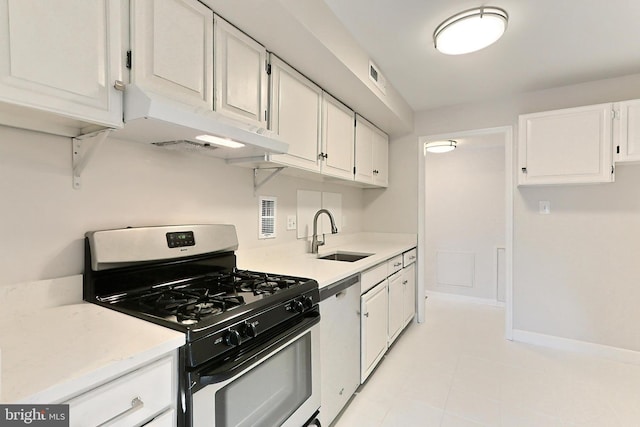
{"type": "Point", "coordinates": [185, 278]}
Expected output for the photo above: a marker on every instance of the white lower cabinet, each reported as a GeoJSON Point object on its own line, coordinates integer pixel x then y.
{"type": "Point", "coordinates": [396, 306]}
{"type": "Point", "coordinates": [409, 293]}
{"type": "Point", "coordinates": [374, 318]}
{"type": "Point", "coordinates": [143, 395]}
{"type": "Point", "coordinates": [387, 305]}
{"type": "Point", "coordinates": [166, 419]}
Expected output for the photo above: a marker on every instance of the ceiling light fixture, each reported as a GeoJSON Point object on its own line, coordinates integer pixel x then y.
{"type": "Point", "coordinates": [441, 146]}
{"type": "Point", "coordinates": [216, 140]}
{"type": "Point", "coordinates": [471, 30]}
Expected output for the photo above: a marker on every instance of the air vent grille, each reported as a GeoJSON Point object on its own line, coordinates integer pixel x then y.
{"type": "Point", "coordinates": [267, 223]}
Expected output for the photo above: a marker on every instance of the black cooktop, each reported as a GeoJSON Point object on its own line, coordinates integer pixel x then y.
{"type": "Point", "coordinates": [192, 300]}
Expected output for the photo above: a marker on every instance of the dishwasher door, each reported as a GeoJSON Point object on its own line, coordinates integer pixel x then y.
{"type": "Point", "coordinates": [339, 346]}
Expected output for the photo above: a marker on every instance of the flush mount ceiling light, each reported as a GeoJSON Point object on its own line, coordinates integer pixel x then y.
{"type": "Point", "coordinates": [216, 140]}
{"type": "Point", "coordinates": [440, 146]}
{"type": "Point", "coordinates": [471, 30]}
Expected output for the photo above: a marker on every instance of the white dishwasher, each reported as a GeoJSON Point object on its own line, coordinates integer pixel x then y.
{"type": "Point", "coordinates": [339, 346]}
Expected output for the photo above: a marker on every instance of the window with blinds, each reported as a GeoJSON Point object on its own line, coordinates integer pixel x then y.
{"type": "Point", "coordinates": [267, 218]}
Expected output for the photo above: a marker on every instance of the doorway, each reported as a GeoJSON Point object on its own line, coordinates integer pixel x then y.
{"type": "Point", "coordinates": [462, 253]}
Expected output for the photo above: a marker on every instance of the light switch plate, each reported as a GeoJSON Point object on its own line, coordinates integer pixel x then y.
{"type": "Point", "coordinates": [291, 222]}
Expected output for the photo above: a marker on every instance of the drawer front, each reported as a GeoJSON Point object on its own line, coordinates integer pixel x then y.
{"type": "Point", "coordinates": [409, 257]}
{"type": "Point", "coordinates": [394, 264]}
{"type": "Point", "coordinates": [167, 419]}
{"type": "Point", "coordinates": [128, 400]}
{"type": "Point", "coordinates": [372, 277]}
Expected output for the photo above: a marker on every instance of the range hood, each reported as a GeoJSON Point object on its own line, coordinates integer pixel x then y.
{"type": "Point", "coordinates": [155, 119]}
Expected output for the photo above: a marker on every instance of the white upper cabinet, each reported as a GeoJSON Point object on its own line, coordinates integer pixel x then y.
{"type": "Point", "coordinates": [172, 49]}
{"type": "Point", "coordinates": [295, 115]}
{"type": "Point", "coordinates": [627, 131]}
{"type": "Point", "coordinates": [569, 146]}
{"type": "Point", "coordinates": [371, 154]}
{"type": "Point", "coordinates": [380, 158]}
{"type": "Point", "coordinates": [61, 57]}
{"type": "Point", "coordinates": [240, 74]}
{"type": "Point", "coordinates": [338, 138]}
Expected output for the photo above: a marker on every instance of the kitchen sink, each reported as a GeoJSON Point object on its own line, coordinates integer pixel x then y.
{"type": "Point", "coordinates": [344, 256]}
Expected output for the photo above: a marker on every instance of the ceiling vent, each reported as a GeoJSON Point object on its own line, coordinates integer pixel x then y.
{"type": "Point", "coordinates": [377, 78]}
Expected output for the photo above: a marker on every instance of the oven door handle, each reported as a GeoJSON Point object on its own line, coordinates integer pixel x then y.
{"type": "Point", "coordinates": [232, 368]}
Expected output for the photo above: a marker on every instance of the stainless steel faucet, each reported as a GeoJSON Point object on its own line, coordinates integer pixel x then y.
{"type": "Point", "coordinates": [315, 243]}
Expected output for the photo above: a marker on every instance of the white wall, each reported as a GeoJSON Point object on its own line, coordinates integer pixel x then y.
{"type": "Point", "coordinates": [126, 184]}
{"type": "Point", "coordinates": [395, 209]}
{"type": "Point", "coordinates": [575, 271]}
{"type": "Point", "coordinates": [465, 217]}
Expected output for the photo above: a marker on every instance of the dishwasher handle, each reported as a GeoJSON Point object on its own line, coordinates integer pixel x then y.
{"type": "Point", "coordinates": [339, 286]}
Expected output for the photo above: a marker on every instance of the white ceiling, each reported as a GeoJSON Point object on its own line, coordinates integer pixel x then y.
{"type": "Point", "coordinates": [548, 43]}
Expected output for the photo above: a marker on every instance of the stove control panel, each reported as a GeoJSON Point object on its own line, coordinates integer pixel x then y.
{"type": "Point", "coordinates": [180, 239]}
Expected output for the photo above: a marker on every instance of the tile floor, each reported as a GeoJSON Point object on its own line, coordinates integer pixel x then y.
{"type": "Point", "coordinates": [457, 370]}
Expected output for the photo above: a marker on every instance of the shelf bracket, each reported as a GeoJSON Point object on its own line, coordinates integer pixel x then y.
{"type": "Point", "coordinates": [274, 171]}
{"type": "Point", "coordinates": [83, 148]}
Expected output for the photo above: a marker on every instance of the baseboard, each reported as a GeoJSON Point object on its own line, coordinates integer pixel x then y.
{"type": "Point", "coordinates": [465, 298]}
{"type": "Point", "coordinates": [614, 353]}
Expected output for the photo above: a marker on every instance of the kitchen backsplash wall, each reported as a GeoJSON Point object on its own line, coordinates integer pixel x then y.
{"type": "Point", "coordinates": [127, 184]}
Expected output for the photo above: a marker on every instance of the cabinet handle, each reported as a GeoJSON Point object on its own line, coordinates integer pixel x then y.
{"type": "Point", "coordinates": [366, 314]}
{"type": "Point", "coordinates": [412, 257]}
{"type": "Point", "coordinates": [136, 403]}
{"type": "Point", "coordinates": [398, 264]}
{"type": "Point", "coordinates": [119, 85]}
{"type": "Point", "coordinates": [405, 282]}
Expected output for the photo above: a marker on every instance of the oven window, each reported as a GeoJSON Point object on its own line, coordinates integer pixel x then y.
{"type": "Point", "coordinates": [269, 393]}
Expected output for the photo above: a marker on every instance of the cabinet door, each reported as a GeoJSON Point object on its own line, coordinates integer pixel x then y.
{"type": "Point", "coordinates": [396, 302]}
{"type": "Point", "coordinates": [295, 115]}
{"type": "Point", "coordinates": [339, 351]}
{"type": "Point", "coordinates": [172, 49]}
{"type": "Point", "coordinates": [374, 309]}
{"type": "Point", "coordinates": [364, 151]}
{"type": "Point", "coordinates": [409, 283]}
{"type": "Point", "coordinates": [566, 146]}
{"type": "Point", "coordinates": [240, 74]}
{"type": "Point", "coordinates": [627, 133]}
{"type": "Point", "coordinates": [338, 138]}
{"type": "Point", "coordinates": [62, 57]}
{"type": "Point", "coordinates": [128, 400]}
{"type": "Point", "coordinates": [380, 158]}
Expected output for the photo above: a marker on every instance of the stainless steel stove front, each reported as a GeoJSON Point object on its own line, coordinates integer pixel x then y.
{"type": "Point", "coordinates": [277, 386]}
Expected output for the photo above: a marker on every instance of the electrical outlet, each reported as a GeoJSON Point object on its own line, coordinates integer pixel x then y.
{"type": "Point", "coordinates": [291, 222]}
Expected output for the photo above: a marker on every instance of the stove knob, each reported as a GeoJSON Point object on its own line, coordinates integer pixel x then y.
{"type": "Point", "coordinates": [307, 302]}
{"type": "Point", "coordinates": [232, 338]}
{"type": "Point", "coordinates": [249, 330]}
{"type": "Point", "coordinates": [297, 307]}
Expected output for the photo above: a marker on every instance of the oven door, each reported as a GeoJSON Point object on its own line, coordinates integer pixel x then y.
{"type": "Point", "coordinates": [281, 387]}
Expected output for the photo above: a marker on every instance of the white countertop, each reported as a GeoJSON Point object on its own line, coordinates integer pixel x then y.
{"type": "Point", "coordinates": [62, 346]}
{"type": "Point", "coordinates": [53, 353]}
{"type": "Point", "coordinates": [291, 260]}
